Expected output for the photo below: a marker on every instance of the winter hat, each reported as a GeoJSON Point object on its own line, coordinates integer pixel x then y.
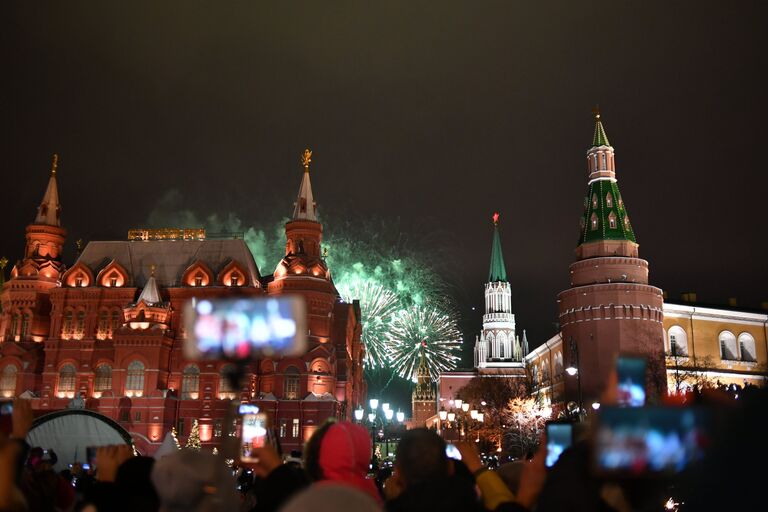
{"type": "Point", "coordinates": [194, 481]}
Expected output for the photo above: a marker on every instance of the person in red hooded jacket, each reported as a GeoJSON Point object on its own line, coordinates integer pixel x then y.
{"type": "Point", "coordinates": [337, 453]}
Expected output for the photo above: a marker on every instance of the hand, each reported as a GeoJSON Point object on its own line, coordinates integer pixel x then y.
{"type": "Point", "coordinates": [109, 458]}
{"type": "Point", "coordinates": [392, 486]}
{"type": "Point", "coordinates": [469, 455]}
{"type": "Point", "coordinates": [21, 418]}
{"type": "Point", "coordinates": [267, 460]}
{"type": "Point", "coordinates": [532, 478]}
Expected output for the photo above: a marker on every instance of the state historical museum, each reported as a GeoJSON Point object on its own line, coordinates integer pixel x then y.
{"type": "Point", "coordinates": [108, 330]}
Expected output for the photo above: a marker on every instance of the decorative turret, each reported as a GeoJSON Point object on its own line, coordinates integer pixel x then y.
{"type": "Point", "coordinates": [609, 308]}
{"type": "Point", "coordinates": [149, 310]}
{"type": "Point", "coordinates": [49, 211]}
{"type": "Point", "coordinates": [423, 398]}
{"type": "Point", "coordinates": [305, 207]}
{"type": "Point", "coordinates": [497, 344]}
{"type": "Point", "coordinates": [605, 229]}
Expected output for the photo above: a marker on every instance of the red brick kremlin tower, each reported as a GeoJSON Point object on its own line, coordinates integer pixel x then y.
{"type": "Point", "coordinates": [610, 307]}
{"type": "Point", "coordinates": [110, 329]}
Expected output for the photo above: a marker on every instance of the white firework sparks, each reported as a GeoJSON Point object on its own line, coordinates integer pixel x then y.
{"type": "Point", "coordinates": [427, 328]}
{"type": "Point", "coordinates": [378, 306]}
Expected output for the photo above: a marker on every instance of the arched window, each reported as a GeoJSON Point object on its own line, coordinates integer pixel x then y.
{"type": "Point", "coordinates": [593, 222]}
{"type": "Point", "coordinates": [103, 378]}
{"type": "Point", "coordinates": [26, 321]}
{"type": "Point", "coordinates": [678, 341]}
{"type": "Point", "coordinates": [103, 328]}
{"type": "Point", "coordinates": [66, 326]}
{"type": "Point", "coordinates": [501, 339]}
{"type": "Point", "coordinates": [291, 383]}
{"type": "Point", "coordinates": [728, 348]}
{"type": "Point", "coordinates": [492, 345]}
{"type": "Point", "coordinates": [747, 346]}
{"type": "Point", "coordinates": [544, 371]}
{"type": "Point", "coordinates": [594, 201]}
{"type": "Point", "coordinates": [605, 165]}
{"type": "Point", "coordinates": [535, 375]}
{"type": "Point", "coordinates": [612, 220]}
{"type": "Point", "coordinates": [67, 377]}
{"type": "Point", "coordinates": [609, 200]}
{"type": "Point", "coordinates": [558, 363]}
{"type": "Point", "coordinates": [134, 380]}
{"type": "Point", "coordinates": [8, 381]}
{"type": "Point", "coordinates": [190, 383]}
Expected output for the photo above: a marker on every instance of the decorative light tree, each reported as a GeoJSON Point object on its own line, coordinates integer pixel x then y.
{"type": "Point", "coordinates": [193, 441]}
{"type": "Point", "coordinates": [175, 437]}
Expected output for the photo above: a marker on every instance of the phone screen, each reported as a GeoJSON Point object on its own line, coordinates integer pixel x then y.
{"type": "Point", "coordinates": [650, 440]}
{"type": "Point", "coordinates": [452, 452]}
{"type": "Point", "coordinates": [559, 437]}
{"type": "Point", "coordinates": [245, 328]}
{"type": "Point", "coordinates": [630, 373]}
{"type": "Point", "coordinates": [254, 434]}
{"type": "Point", "coordinates": [6, 407]}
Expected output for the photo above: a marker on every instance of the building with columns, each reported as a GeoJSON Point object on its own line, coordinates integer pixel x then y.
{"type": "Point", "coordinates": [109, 329]}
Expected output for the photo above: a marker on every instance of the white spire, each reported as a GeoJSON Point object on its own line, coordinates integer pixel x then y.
{"type": "Point", "coordinates": [49, 210]}
{"type": "Point", "coordinates": [305, 207]}
{"type": "Point", "coordinates": [151, 293]}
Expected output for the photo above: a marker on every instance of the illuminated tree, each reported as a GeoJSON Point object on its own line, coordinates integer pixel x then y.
{"type": "Point", "coordinates": [193, 441]}
{"type": "Point", "coordinates": [526, 418]}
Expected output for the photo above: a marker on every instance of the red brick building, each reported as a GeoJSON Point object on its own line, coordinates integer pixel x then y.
{"type": "Point", "coordinates": [109, 329]}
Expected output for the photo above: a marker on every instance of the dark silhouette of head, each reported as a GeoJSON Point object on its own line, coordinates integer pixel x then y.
{"type": "Point", "coordinates": [421, 457]}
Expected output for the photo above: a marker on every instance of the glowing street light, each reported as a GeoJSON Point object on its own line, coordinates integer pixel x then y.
{"type": "Point", "coordinates": [465, 407]}
{"type": "Point", "coordinates": [571, 370]}
{"type": "Point", "coordinates": [371, 417]}
{"type": "Point", "coordinates": [359, 414]}
{"type": "Point", "coordinates": [480, 417]}
{"type": "Point", "coordinates": [374, 403]}
{"type": "Point", "coordinates": [388, 413]}
{"type": "Point", "coordinates": [400, 416]}
{"type": "Point", "coordinates": [473, 414]}
{"type": "Point", "coordinates": [451, 416]}
{"type": "Point", "coordinates": [458, 403]}
{"type": "Point", "coordinates": [443, 414]}
{"type": "Point", "coordinates": [595, 405]}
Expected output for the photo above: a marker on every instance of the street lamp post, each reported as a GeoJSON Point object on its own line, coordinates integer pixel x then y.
{"type": "Point", "coordinates": [575, 370]}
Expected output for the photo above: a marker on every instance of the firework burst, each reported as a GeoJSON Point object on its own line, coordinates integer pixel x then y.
{"type": "Point", "coordinates": [378, 306]}
{"type": "Point", "coordinates": [424, 327]}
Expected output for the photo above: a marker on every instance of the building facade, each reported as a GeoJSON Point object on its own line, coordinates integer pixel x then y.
{"type": "Point", "coordinates": [109, 329]}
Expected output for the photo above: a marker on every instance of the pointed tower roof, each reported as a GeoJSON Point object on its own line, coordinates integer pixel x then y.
{"type": "Point", "coordinates": [498, 271]}
{"type": "Point", "coordinates": [151, 292]}
{"type": "Point", "coordinates": [525, 344]}
{"type": "Point", "coordinates": [305, 206]}
{"type": "Point", "coordinates": [49, 210]}
{"type": "Point", "coordinates": [599, 138]}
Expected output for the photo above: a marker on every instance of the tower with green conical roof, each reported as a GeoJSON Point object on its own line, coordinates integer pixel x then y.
{"type": "Point", "coordinates": [610, 308]}
{"type": "Point", "coordinates": [497, 345]}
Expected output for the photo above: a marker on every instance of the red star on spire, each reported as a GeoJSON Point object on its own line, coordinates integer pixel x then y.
{"type": "Point", "coordinates": [495, 218]}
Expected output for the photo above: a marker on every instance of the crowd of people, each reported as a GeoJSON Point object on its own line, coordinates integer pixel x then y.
{"type": "Point", "coordinates": [335, 474]}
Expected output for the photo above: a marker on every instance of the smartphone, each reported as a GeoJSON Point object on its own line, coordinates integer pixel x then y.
{"type": "Point", "coordinates": [649, 441]}
{"type": "Point", "coordinates": [90, 456]}
{"type": "Point", "coordinates": [6, 407]}
{"type": "Point", "coordinates": [245, 328]}
{"type": "Point", "coordinates": [452, 452]}
{"type": "Point", "coordinates": [559, 438]}
{"type": "Point", "coordinates": [631, 381]}
{"type": "Point", "coordinates": [253, 433]}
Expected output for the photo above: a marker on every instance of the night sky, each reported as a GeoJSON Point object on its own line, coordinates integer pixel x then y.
{"type": "Point", "coordinates": [432, 114]}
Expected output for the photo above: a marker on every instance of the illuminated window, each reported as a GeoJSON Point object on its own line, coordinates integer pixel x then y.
{"type": "Point", "coordinates": [593, 222]}
{"type": "Point", "coordinates": [80, 325]}
{"type": "Point", "coordinates": [103, 328]}
{"type": "Point", "coordinates": [14, 324]}
{"type": "Point", "coordinates": [79, 281]}
{"type": "Point", "coordinates": [8, 381]}
{"type": "Point", "coordinates": [747, 346]}
{"type": "Point", "coordinates": [134, 380]}
{"type": "Point", "coordinates": [678, 341]}
{"type": "Point", "coordinates": [103, 380]}
{"type": "Point", "coordinates": [233, 280]}
{"type": "Point", "coordinates": [594, 200]}
{"type": "Point", "coordinates": [67, 376]}
{"type": "Point", "coordinates": [612, 220]}
{"type": "Point", "coordinates": [117, 318]}
{"type": "Point", "coordinates": [295, 428]}
{"type": "Point", "coordinates": [291, 384]}
{"type": "Point", "coordinates": [605, 165]}
{"type": "Point", "coordinates": [217, 427]}
{"type": "Point", "coordinates": [66, 328]}
{"type": "Point", "coordinates": [225, 387]}
{"type": "Point", "coordinates": [190, 383]}
{"type": "Point", "coordinates": [198, 280]}
{"type": "Point", "coordinates": [26, 320]}
{"type": "Point", "coordinates": [609, 200]}
{"type": "Point", "coordinates": [112, 282]}
{"type": "Point", "coordinates": [283, 427]}
{"type": "Point", "coordinates": [728, 347]}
